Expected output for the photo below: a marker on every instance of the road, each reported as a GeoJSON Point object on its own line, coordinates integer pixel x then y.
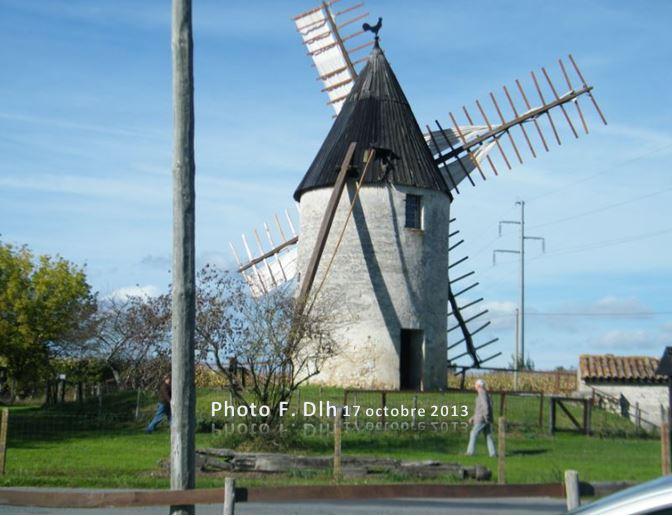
{"type": "Point", "coordinates": [386, 506]}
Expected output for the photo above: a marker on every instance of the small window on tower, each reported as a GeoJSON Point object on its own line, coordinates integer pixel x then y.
{"type": "Point", "coordinates": [414, 211]}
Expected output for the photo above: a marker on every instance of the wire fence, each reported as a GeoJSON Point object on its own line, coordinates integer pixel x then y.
{"type": "Point", "coordinates": [525, 411]}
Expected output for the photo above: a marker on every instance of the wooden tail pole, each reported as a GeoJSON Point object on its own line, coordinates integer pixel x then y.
{"type": "Point", "coordinates": [369, 162]}
{"type": "Point", "coordinates": [572, 492]}
{"type": "Point", "coordinates": [325, 227]}
{"type": "Point", "coordinates": [501, 451]}
{"type": "Point", "coordinates": [229, 495]}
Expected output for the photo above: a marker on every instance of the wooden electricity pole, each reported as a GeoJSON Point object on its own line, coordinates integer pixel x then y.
{"type": "Point", "coordinates": [183, 403]}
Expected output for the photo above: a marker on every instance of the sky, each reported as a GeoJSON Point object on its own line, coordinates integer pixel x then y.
{"type": "Point", "coordinates": [85, 140]}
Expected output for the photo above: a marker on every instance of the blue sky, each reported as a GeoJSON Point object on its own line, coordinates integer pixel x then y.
{"type": "Point", "coordinates": [85, 139]}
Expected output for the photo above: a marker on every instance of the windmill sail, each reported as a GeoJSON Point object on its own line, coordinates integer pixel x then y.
{"type": "Point", "coordinates": [461, 149]}
{"type": "Point", "coordinates": [465, 316]}
{"type": "Point", "coordinates": [320, 30]}
{"type": "Point", "coordinates": [271, 261]}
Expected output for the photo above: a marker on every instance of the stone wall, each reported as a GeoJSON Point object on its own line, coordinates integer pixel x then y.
{"type": "Point", "coordinates": [385, 277]}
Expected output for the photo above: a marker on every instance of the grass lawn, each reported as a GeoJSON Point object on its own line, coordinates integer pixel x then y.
{"type": "Point", "coordinates": [61, 447]}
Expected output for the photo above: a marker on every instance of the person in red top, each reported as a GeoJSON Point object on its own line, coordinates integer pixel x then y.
{"type": "Point", "coordinates": [163, 408]}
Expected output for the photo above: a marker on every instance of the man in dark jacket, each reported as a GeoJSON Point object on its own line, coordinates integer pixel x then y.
{"type": "Point", "coordinates": [163, 408]}
{"type": "Point", "coordinates": [482, 420]}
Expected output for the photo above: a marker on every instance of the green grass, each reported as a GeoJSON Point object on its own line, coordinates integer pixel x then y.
{"type": "Point", "coordinates": [71, 446]}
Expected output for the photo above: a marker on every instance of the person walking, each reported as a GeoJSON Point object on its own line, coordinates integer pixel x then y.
{"type": "Point", "coordinates": [163, 408]}
{"type": "Point", "coordinates": [482, 420]}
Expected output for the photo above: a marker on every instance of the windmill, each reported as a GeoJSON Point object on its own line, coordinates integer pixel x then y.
{"type": "Point", "coordinates": [376, 228]}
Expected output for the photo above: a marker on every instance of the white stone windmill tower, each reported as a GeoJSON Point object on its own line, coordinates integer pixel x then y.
{"type": "Point", "coordinates": [375, 214]}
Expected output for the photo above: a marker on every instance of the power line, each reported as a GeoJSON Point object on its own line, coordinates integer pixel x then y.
{"type": "Point", "coordinates": [604, 208]}
{"type": "Point", "coordinates": [606, 243]}
{"type": "Point", "coordinates": [600, 314]}
{"type": "Point", "coordinates": [585, 314]}
{"type": "Point", "coordinates": [602, 172]}
{"type": "Point", "coordinates": [595, 245]}
{"type": "Point", "coordinates": [520, 331]}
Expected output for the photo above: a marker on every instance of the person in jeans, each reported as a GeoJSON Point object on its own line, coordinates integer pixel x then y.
{"type": "Point", "coordinates": [163, 408]}
{"type": "Point", "coordinates": [482, 420]}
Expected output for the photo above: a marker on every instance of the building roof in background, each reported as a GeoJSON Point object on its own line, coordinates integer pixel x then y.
{"type": "Point", "coordinates": [376, 113]}
{"type": "Point", "coordinates": [612, 368]}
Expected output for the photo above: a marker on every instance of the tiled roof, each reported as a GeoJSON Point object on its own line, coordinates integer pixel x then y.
{"type": "Point", "coordinates": [611, 368]}
{"type": "Point", "coordinates": [376, 113]}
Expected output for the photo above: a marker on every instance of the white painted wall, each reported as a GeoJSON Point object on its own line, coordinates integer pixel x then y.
{"type": "Point", "coordinates": [384, 277]}
{"type": "Point", "coordinates": [649, 397]}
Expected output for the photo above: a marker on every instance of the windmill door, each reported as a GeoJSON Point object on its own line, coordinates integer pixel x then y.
{"type": "Point", "coordinates": [410, 359]}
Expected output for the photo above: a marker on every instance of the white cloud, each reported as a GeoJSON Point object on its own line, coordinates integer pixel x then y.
{"type": "Point", "coordinates": [124, 293]}
{"type": "Point", "coordinates": [500, 313]}
{"type": "Point", "coordinates": [618, 305]}
{"type": "Point", "coordinates": [625, 340]}
{"type": "Point", "coordinates": [626, 307]}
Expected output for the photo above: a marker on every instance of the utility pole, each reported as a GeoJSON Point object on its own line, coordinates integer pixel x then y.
{"type": "Point", "coordinates": [183, 399]}
{"type": "Point", "coordinates": [520, 360]}
{"type": "Point", "coordinates": [516, 356]}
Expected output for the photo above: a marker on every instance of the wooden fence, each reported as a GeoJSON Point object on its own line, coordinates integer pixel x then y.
{"type": "Point", "coordinates": [90, 499]}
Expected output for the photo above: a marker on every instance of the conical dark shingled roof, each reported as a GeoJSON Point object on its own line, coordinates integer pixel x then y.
{"type": "Point", "coordinates": [377, 113]}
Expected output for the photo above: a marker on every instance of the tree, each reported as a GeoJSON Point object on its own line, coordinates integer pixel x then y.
{"type": "Point", "coordinates": [526, 365]}
{"type": "Point", "coordinates": [266, 339]}
{"type": "Point", "coordinates": [44, 305]}
{"type": "Point", "coordinates": [132, 337]}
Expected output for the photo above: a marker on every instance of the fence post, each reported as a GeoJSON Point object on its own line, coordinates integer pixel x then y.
{"type": "Point", "coordinates": [551, 415]}
{"type": "Point", "coordinates": [502, 403]}
{"type": "Point", "coordinates": [298, 401]}
{"type": "Point", "coordinates": [4, 420]}
{"type": "Point", "coordinates": [337, 443]}
{"type": "Point", "coordinates": [137, 405]}
{"type": "Point", "coordinates": [665, 448]}
{"type": "Point", "coordinates": [415, 409]}
{"type": "Point", "coordinates": [541, 409]}
{"type": "Point", "coordinates": [60, 396]}
{"type": "Point", "coordinates": [638, 417]}
{"type": "Point", "coordinates": [383, 401]}
{"type": "Point", "coordinates": [501, 451]}
{"type": "Point", "coordinates": [572, 492]}
{"type": "Point", "coordinates": [229, 495]}
{"type": "Point", "coordinates": [589, 417]}
{"type": "Point", "coordinates": [99, 392]}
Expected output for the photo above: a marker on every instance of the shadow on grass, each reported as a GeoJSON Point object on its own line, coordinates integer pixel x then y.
{"type": "Point", "coordinates": [524, 453]}
{"type": "Point", "coordinates": [30, 432]}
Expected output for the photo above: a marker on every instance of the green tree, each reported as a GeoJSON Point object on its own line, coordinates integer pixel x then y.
{"type": "Point", "coordinates": [45, 303]}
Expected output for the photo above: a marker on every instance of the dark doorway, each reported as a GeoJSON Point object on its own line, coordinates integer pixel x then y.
{"type": "Point", "coordinates": [410, 359]}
